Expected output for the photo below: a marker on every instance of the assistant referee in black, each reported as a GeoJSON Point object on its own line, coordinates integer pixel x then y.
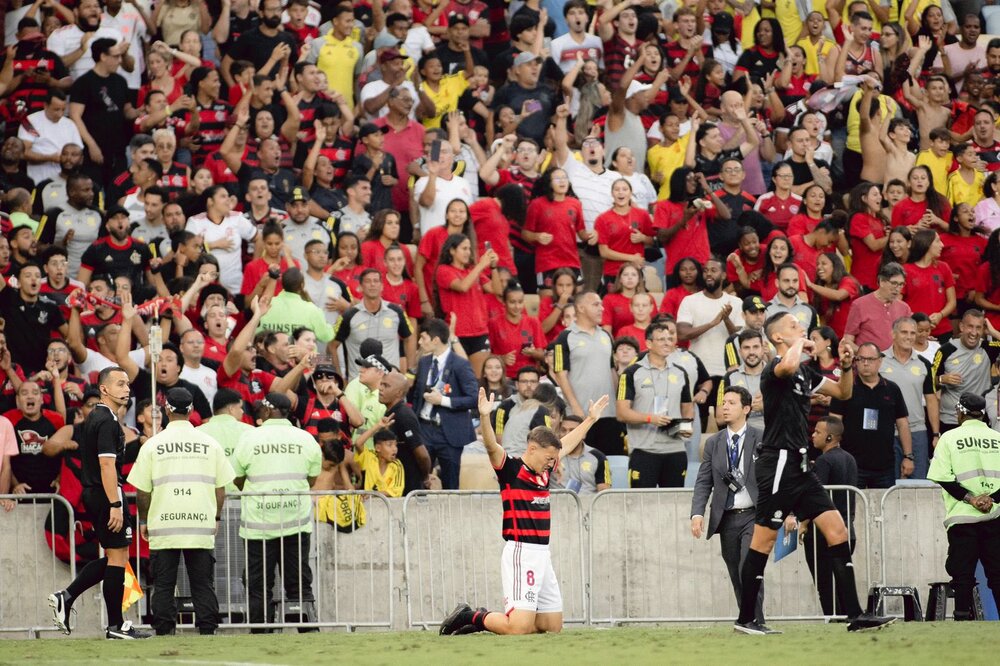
{"type": "Point", "coordinates": [784, 487]}
{"type": "Point", "coordinates": [102, 448]}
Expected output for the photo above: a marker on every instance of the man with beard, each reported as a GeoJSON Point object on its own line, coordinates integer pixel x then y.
{"type": "Point", "coordinates": [30, 318]}
{"type": "Point", "coordinates": [168, 367]}
{"type": "Point", "coordinates": [72, 42]}
{"type": "Point", "coordinates": [706, 319]}
{"type": "Point", "coordinates": [57, 285]}
{"type": "Point", "coordinates": [44, 134]}
{"type": "Point", "coordinates": [140, 147]}
{"type": "Point", "coordinates": [50, 194]}
{"type": "Point", "coordinates": [325, 399]}
{"type": "Point", "coordinates": [787, 299]}
{"type": "Point", "coordinates": [753, 320]}
{"type": "Point", "coordinates": [33, 73]}
{"type": "Point", "coordinates": [410, 450]}
{"type": "Point", "coordinates": [519, 414]}
{"type": "Point", "coordinates": [173, 217]}
{"type": "Point", "coordinates": [266, 46]}
{"type": "Point", "coordinates": [992, 73]}
{"type": "Point", "coordinates": [301, 228]}
{"type": "Point", "coordinates": [33, 471]}
{"type": "Point", "coordinates": [79, 223]}
{"type": "Point", "coordinates": [747, 376]}
{"type": "Point", "coordinates": [118, 254]}
{"type": "Point", "coordinates": [13, 171]}
{"type": "Point", "coordinates": [23, 247]}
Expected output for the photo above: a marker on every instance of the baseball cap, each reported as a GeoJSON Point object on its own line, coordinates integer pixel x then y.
{"type": "Point", "coordinates": [676, 96]}
{"type": "Point", "coordinates": [384, 41]}
{"type": "Point", "coordinates": [113, 210]}
{"type": "Point", "coordinates": [636, 87]}
{"type": "Point", "coordinates": [376, 361]}
{"type": "Point", "coordinates": [276, 400]}
{"type": "Point", "coordinates": [455, 19]}
{"type": "Point", "coordinates": [179, 400]}
{"type": "Point", "coordinates": [971, 403]}
{"type": "Point", "coordinates": [754, 304]}
{"type": "Point", "coordinates": [299, 194]}
{"type": "Point", "coordinates": [389, 54]}
{"type": "Point", "coordinates": [371, 128]}
{"type": "Point", "coordinates": [524, 57]}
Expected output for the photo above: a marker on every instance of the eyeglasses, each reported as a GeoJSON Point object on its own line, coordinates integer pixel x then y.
{"type": "Point", "coordinates": [868, 359]}
{"type": "Point", "coordinates": [783, 175]}
{"type": "Point", "coordinates": [897, 284]}
{"type": "Point", "coordinates": [733, 170]}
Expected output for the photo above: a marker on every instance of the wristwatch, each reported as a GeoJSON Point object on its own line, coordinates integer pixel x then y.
{"type": "Point", "coordinates": [116, 505]}
{"type": "Point", "coordinates": [908, 456]}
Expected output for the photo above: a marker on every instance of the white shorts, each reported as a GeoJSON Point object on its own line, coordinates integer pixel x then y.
{"type": "Point", "coordinates": [529, 581]}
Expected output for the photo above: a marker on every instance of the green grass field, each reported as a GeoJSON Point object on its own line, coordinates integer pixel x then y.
{"type": "Point", "coordinates": [911, 643]}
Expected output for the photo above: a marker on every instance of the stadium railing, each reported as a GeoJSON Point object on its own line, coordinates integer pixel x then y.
{"type": "Point", "coordinates": [646, 567]}
{"type": "Point", "coordinates": [451, 553]}
{"type": "Point", "coordinates": [29, 565]}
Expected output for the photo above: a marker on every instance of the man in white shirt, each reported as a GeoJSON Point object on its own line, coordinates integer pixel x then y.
{"type": "Point", "coordinates": [72, 42]}
{"type": "Point", "coordinates": [130, 19]}
{"type": "Point", "coordinates": [439, 187]}
{"type": "Point", "coordinates": [565, 49]}
{"type": "Point", "coordinates": [375, 94]}
{"type": "Point", "coordinates": [44, 136]}
{"type": "Point", "coordinates": [192, 349]}
{"type": "Point", "coordinates": [224, 232]}
{"type": "Point", "coordinates": [707, 319]}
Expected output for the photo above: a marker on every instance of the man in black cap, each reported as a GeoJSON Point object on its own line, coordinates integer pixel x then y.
{"type": "Point", "coordinates": [362, 391]}
{"type": "Point", "coordinates": [301, 227]}
{"type": "Point", "coordinates": [378, 166]}
{"type": "Point", "coordinates": [753, 320]}
{"type": "Point", "coordinates": [180, 476]}
{"type": "Point", "coordinates": [118, 254]}
{"type": "Point", "coordinates": [452, 51]}
{"type": "Point", "coordinates": [966, 465]}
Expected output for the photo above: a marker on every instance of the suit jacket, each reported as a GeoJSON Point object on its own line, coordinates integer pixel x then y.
{"type": "Point", "coordinates": [462, 388]}
{"type": "Point", "coordinates": [713, 467]}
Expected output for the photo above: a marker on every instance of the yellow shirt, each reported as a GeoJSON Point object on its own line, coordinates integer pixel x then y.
{"type": "Point", "coordinates": [939, 168]}
{"type": "Point", "coordinates": [960, 191]}
{"type": "Point", "coordinates": [666, 160]}
{"type": "Point", "coordinates": [339, 60]}
{"type": "Point", "coordinates": [897, 10]}
{"type": "Point", "coordinates": [391, 483]}
{"type": "Point", "coordinates": [888, 107]}
{"type": "Point", "coordinates": [812, 61]}
{"type": "Point", "coordinates": [787, 13]}
{"type": "Point", "coordinates": [450, 88]}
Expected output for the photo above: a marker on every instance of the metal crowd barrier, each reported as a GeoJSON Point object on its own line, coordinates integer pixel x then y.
{"type": "Point", "coordinates": [914, 543]}
{"type": "Point", "coordinates": [352, 571]}
{"type": "Point", "coordinates": [29, 565]}
{"type": "Point", "coordinates": [643, 575]}
{"type": "Point", "coordinates": [452, 546]}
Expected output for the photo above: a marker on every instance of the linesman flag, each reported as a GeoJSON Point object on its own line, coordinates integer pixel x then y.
{"type": "Point", "coordinates": [132, 591]}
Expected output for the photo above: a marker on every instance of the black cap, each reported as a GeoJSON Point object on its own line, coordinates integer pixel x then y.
{"type": "Point", "coordinates": [376, 361]}
{"type": "Point", "coordinates": [279, 401]}
{"type": "Point", "coordinates": [754, 304]}
{"type": "Point", "coordinates": [371, 128]}
{"type": "Point", "coordinates": [455, 19]}
{"type": "Point", "coordinates": [179, 401]}
{"type": "Point", "coordinates": [114, 209]}
{"type": "Point", "coordinates": [971, 403]}
{"type": "Point", "coordinates": [370, 346]}
{"type": "Point", "coordinates": [722, 20]}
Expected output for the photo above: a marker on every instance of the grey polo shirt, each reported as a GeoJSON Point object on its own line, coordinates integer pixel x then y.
{"type": "Point", "coordinates": [513, 419]}
{"type": "Point", "coordinates": [740, 377]}
{"type": "Point", "coordinates": [654, 391]}
{"type": "Point", "coordinates": [974, 366]}
{"type": "Point", "coordinates": [582, 473]}
{"type": "Point", "coordinates": [913, 377]}
{"type": "Point", "coordinates": [297, 235]}
{"type": "Point", "coordinates": [587, 359]}
{"type": "Point", "coordinates": [388, 325]}
{"type": "Point", "coordinates": [804, 312]}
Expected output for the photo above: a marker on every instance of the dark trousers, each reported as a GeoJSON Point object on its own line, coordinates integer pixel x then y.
{"type": "Point", "coordinates": [607, 436]}
{"type": "Point", "coordinates": [656, 470]}
{"type": "Point", "coordinates": [291, 554]}
{"type": "Point", "coordinates": [103, 174]}
{"type": "Point", "coordinates": [853, 163]}
{"type": "Point", "coordinates": [735, 532]}
{"type": "Point", "coordinates": [709, 402]}
{"type": "Point", "coordinates": [200, 565]}
{"type": "Point", "coordinates": [524, 262]}
{"type": "Point", "coordinates": [968, 544]}
{"type": "Point", "coordinates": [817, 553]}
{"type": "Point", "coordinates": [442, 453]}
{"type": "Point", "coordinates": [885, 478]}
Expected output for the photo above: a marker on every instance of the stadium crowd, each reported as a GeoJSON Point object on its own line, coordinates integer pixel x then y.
{"type": "Point", "coordinates": [375, 209]}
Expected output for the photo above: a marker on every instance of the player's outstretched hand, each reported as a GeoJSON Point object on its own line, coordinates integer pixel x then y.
{"type": "Point", "coordinates": [485, 403]}
{"type": "Point", "coordinates": [595, 409]}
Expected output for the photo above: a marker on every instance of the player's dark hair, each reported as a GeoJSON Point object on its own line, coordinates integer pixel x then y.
{"type": "Point", "coordinates": [544, 437]}
{"type": "Point", "coordinates": [745, 398]}
{"type": "Point", "coordinates": [102, 377]}
{"type": "Point", "coordinates": [772, 323]}
{"type": "Point", "coordinates": [528, 370]}
{"type": "Point", "coordinates": [787, 266]}
{"type": "Point", "coordinates": [627, 341]}
{"type": "Point", "coordinates": [834, 426]}
{"type": "Point", "coordinates": [656, 326]}
{"type": "Point", "coordinates": [436, 328]}
{"type": "Point", "coordinates": [572, 418]}
{"type": "Point", "coordinates": [747, 334]}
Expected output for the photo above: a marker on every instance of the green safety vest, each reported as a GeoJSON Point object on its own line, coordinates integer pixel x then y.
{"type": "Point", "coordinates": [227, 431]}
{"type": "Point", "coordinates": [276, 458]}
{"type": "Point", "coordinates": [970, 455]}
{"type": "Point", "coordinates": [181, 467]}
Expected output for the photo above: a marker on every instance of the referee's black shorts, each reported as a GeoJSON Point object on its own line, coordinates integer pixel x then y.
{"type": "Point", "coordinates": [99, 510]}
{"type": "Point", "coordinates": [783, 489]}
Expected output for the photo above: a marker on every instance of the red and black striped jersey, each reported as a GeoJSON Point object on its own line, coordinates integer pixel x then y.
{"type": "Point", "coordinates": [212, 129]}
{"type": "Point", "coordinates": [525, 495]}
{"type": "Point", "coordinates": [175, 180]}
{"type": "Point", "coordinates": [30, 57]}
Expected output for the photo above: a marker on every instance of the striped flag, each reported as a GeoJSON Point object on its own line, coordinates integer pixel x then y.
{"type": "Point", "coordinates": [132, 591]}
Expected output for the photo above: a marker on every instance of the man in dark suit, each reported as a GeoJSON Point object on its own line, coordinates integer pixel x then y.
{"type": "Point", "coordinates": [444, 390]}
{"type": "Point", "coordinates": [728, 463]}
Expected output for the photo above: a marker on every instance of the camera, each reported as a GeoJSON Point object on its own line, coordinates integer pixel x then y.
{"type": "Point", "coordinates": [733, 480]}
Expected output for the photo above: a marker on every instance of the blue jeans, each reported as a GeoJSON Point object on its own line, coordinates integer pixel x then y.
{"type": "Point", "coordinates": [868, 478]}
{"type": "Point", "coordinates": [921, 458]}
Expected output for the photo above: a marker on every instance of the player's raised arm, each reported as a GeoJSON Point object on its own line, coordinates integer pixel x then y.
{"type": "Point", "coordinates": [493, 448]}
{"type": "Point", "coordinates": [573, 439]}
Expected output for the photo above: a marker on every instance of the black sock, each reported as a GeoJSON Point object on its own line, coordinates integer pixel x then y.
{"type": "Point", "coordinates": [843, 574]}
{"type": "Point", "coordinates": [751, 578]}
{"type": "Point", "coordinates": [479, 619]}
{"type": "Point", "coordinates": [89, 576]}
{"type": "Point", "coordinates": [114, 590]}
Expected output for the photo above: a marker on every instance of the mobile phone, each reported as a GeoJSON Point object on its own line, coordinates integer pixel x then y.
{"type": "Point", "coordinates": [488, 245]}
{"type": "Point", "coordinates": [533, 106]}
{"type": "Point", "coordinates": [436, 150]}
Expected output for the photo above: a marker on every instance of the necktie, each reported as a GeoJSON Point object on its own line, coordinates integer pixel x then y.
{"type": "Point", "coordinates": [435, 373]}
{"type": "Point", "coordinates": [734, 451]}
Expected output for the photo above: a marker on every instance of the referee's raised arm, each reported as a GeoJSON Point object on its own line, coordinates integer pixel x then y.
{"type": "Point", "coordinates": [493, 448]}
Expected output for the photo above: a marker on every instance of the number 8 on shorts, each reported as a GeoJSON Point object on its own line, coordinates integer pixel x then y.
{"type": "Point", "coordinates": [529, 581]}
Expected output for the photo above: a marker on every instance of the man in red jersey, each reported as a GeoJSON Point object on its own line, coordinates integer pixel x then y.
{"type": "Point", "coordinates": [532, 601]}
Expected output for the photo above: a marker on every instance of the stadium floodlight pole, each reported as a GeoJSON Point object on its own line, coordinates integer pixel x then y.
{"type": "Point", "coordinates": [155, 347]}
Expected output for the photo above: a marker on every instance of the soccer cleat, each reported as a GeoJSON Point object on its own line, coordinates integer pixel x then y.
{"type": "Point", "coordinates": [461, 616]}
{"type": "Point", "coordinates": [753, 629]}
{"type": "Point", "coordinates": [869, 623]}
{"type": "Point", "coordinates": [126, 632]}
{"type": "Point", "coordinates": [61, 611]}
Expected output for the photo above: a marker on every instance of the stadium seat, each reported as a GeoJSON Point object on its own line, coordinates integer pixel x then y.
{"type": "Point", "coordinates": [619, 471]}
{"type": "Point", "coordinates": [531, 304]}
{"type": "Point", "coordinates": [911, 601]}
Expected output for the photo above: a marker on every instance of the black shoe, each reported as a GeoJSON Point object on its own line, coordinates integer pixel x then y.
{"type": "Point", "coordinates": [768, 630]}
{"type": "Point", "coordinates": [461, 616]}
{"type": "Point", "coordinates": [753, 629]}
{"type": "Point", "coordinates": [126, 632]}
{"type": "Point", "coordinates": [869, 623]}
{"type": "Point", "coordinates": [61, 611]}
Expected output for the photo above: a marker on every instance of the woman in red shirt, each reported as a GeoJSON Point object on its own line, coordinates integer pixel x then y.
{"type": "Point", "coordinates": [460, 283]}
{"type": "Point", "coordinates": [810, 213]}
{"type": "Point", "coordinates": [492, 217]}
{"type": "Point", "coordinates": [867, 233]}
{"type": "Point", "coordinates": [623, 231]}
{"type": "Point", "coordinates": [779, 251]}
{"type": "Point", "coordinates": [930, 285]}
{"type": "Point", "coordinates": [160, 78]}
{"type": "Point", "coordinates": [963, 251]}
{"type": "Point", "coordinates": [681, 220]}
{"type": "Point", "coordinates": [618, 302]}
{"type": "Point", "coordinates": [396, 287]}
{"type": "Point", "coordinates": [987, 286]}
{"type": "Point", "coordinates": [559, 297]}
{"type": "Point", "coordinates": [781, 205]}
{"type": "Point", "coordinates": [276, 253]}
{"type": "Point", "coordinates": [834, 290]}
{"type": "Point", "coordinates": [746, 263]}
{"type": "Point", "coordinates": [552, 225]}
{"type": "Point", "coordinates": [687, 277]}
{"type": "Point", "coordinates": [457, 221]}
{"type": "Point", "coordinates": [898, 248]}
{"type": "Point", "coordinates": [384, 233]}
{"type": "Point", "coordinates": [346, 267]}
{"type": "Point", "coordinates": [925, 208]}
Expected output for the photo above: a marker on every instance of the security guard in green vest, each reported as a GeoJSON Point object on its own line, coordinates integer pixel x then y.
{"type": "Point", "coordinates": [282, 462]}
{"type": "Point", "coordinates": [181, 476]}
{"type": "Point", "coordinates": [966, 465]}
{"type": "Point", "coordinates": [226, 426]}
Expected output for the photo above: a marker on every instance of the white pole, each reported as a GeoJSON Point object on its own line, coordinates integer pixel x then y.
{"type": "Point", "coordinates": [155, 347]}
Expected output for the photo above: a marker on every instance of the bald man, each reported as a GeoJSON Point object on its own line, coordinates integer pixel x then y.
{"type": "Point", "coordinates": [410, 446]}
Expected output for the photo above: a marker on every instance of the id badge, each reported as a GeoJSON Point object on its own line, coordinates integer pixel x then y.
{"type": "Point", "coordinates": [870, 419]}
